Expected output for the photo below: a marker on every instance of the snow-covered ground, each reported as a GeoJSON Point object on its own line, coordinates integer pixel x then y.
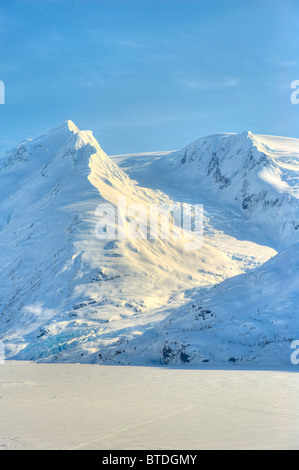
{"type": "Point", "coordinates": [59, 406]}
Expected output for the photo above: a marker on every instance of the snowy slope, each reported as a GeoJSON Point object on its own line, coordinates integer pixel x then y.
{"type": "Point", "coordinates": [257, 175]}
{"type": "Point", "coordinates": [251, 319]}
{"type": "Point", "coordinates": [64, 293]}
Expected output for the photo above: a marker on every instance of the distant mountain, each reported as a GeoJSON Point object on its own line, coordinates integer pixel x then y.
{"type": "Point", "coordinates": [251, 319]}
{"type": "Point", "coordinates": [256, 174]}
{"type": "Point", "coordinates": [64, 294]}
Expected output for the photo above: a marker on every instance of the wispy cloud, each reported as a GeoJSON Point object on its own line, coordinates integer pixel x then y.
{"type": "Point", "coordinates": [127, 43]}
{"type": "Point", "coordinates": [205, 85]}
{"type": "Point", "coordinates": [283, 62]}
{"type": "Point", "coordinates": [114, 40]}
{"type": "Point", "coordinates": [287, 64]}
{"type": "Point", "coordinates": [171, 117]}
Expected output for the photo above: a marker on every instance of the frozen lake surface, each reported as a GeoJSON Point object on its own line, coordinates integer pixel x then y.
{"type": "Point", "coordinates": [59, 406]}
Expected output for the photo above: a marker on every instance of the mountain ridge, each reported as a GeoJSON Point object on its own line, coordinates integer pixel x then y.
{"type": "Point", "coordinates": [257, 175]}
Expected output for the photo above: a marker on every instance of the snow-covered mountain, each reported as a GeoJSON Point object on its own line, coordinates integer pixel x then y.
{"type": "Point", "coordinates": [256, 174]}
{"type": "Point", "coordinates": [251, 319]}
{"type": "Point", "coordinates": [65, 295]}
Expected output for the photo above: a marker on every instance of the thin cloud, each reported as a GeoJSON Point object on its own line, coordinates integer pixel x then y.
{"type": "Point", "coordinates": [280, 62]}
{"type": "Point", "coordinates": [287, 64]}
{"type": "Point", "coordinates": [204, 85]}
{"type": "Point", "coordinates": [130, 43]}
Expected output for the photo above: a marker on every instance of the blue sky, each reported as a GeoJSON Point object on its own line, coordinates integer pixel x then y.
{"type": "Point", "coordinates": [148, 75]}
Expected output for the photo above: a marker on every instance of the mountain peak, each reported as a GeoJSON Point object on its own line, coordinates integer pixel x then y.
{"type": "Point", "coordinates": [247, 134]}
{"type": "Point", "coordinates": [71, 125]}
{"type": "Point", "coordinates": [68, 134]}
{"type": "Point", "coordinates": [66, 127]}
{"type": "Point", "coordinates": [56, 142]}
